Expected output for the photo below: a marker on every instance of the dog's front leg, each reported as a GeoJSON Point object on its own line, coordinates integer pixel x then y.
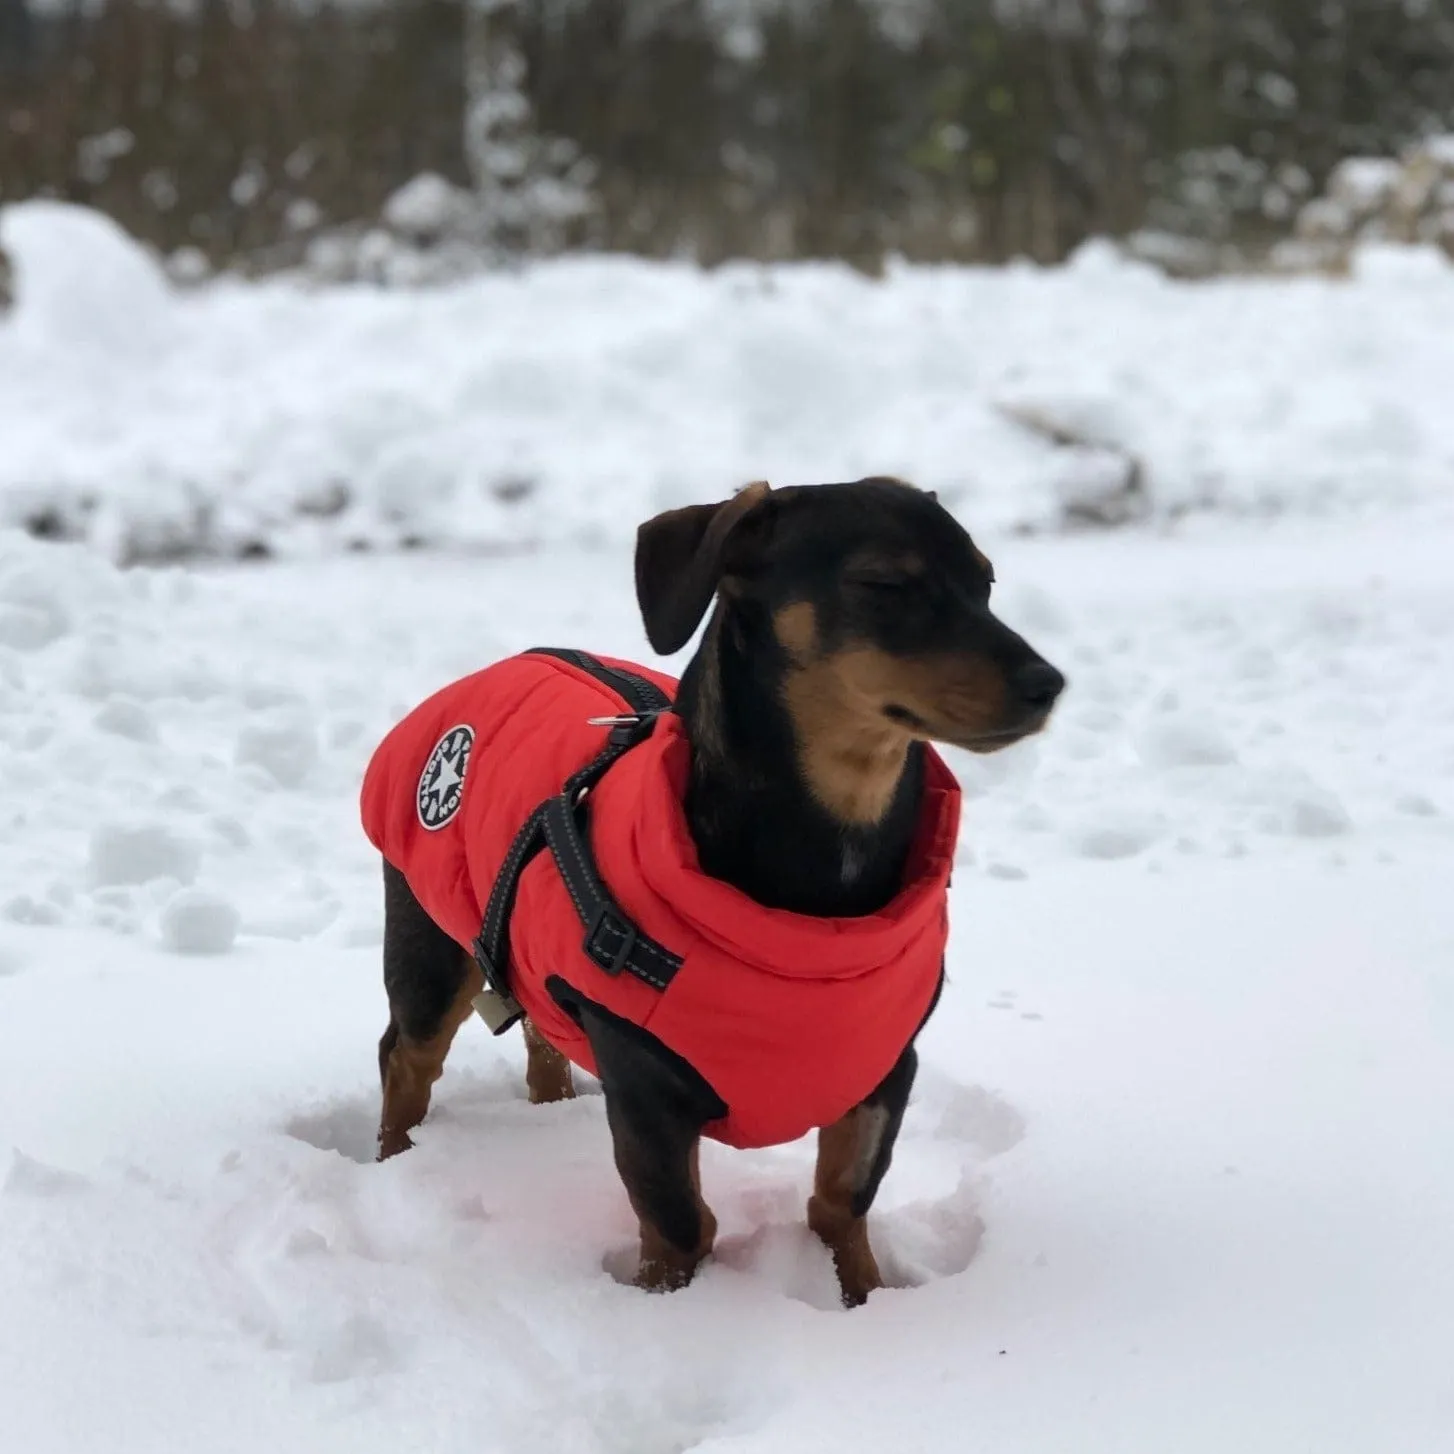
{"type": "Point", "coordinates": [656, 1106]}
{"type": "Point", "coordinates": [853, 1155]}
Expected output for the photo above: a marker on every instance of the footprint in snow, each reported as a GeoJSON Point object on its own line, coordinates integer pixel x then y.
{"type": "Point", "coordinates": [356, 1347]}
{"type": "Point", "coordinates": [972, 1117]}
{"type": "Point", "coordinates": [28, 1177]}
{"type": "Point", "coordinates": [348, 1127]}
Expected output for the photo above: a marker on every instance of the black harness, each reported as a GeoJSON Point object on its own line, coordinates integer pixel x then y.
{"type": "Point", "coordinates": [612, 942]}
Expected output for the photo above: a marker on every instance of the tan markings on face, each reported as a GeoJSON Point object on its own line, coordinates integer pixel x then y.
{"type": "Point", "coordinates": [796, 627]}
{"type": "Point", "coordinates": [851, 753]}
{"type": "Point", "coordinates": [956, 697]}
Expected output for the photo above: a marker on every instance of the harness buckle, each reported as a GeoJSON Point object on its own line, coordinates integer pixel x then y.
{"type": "Point", "coordinates": [494, 1004]}
{"type": "Point", "coordinates": [498, 1011]}
{"type": "Point", "coordinates": [610, 962]}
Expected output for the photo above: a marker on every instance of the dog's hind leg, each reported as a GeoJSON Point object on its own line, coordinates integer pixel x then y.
{"type": "Point", "coordinates": [430, 982]}
{"type": "Point", "coordinates": [853, 1155]}
{"type": "Point", "coordinates": [547, 1071]}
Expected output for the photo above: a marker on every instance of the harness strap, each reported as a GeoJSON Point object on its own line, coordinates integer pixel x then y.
{"type": "Point", "coordinates": [612, 942]}
{"type": "Point", "coordinates": [644, 696]}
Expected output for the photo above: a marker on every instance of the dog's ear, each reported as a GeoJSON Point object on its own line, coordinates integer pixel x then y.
{"type": "Point", "coordinates": [681, 558]}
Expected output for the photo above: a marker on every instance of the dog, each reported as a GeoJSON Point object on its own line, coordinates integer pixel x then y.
{"type": "Point", "coordinates": [760, 867]}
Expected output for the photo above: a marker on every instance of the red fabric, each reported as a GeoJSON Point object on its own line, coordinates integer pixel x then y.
{"type": "Point", "coordinates": [793, 1020]}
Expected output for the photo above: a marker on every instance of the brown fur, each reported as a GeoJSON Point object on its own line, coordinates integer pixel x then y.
{"type": "Point", "coordinates": [957, 699]}
{"type": "Point", "coordinates": [664, 1267]}
{"type": "Point", "coordinates": [850, 753]}
{"type": "Point", "coordinates": [547, 1071]}
{"type": "Point", "coordinates": [842, 1149]}
{"type": "Point", "coordinates": [411, 1068]}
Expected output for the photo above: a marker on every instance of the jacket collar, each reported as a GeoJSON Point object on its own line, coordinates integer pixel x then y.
{"type": "Point", "coordinates": [800, 945]}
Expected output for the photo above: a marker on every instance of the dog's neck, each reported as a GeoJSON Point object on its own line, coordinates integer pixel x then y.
{"type": "Point", "coordinates": [755, 820]}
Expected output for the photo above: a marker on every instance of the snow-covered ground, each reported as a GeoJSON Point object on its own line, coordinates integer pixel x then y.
{"type": "Point", "coordinates": [1178, 1177]}
{"type": "Point", "coordinates": [566, 402]}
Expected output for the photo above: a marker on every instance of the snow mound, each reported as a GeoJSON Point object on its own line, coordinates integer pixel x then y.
{"type": "Point", "coordinates": [286, 752]}
{"type": "Point", "coordinates": [425, 207]}
{"type": "Point", "coordinates": [569, 400]}
{"type": "Point", "coordinates": [123, 854]}
{"type": "Point", "coordinates": [197, 921]}
{"type": "Point", "coordinates": [82, 283]}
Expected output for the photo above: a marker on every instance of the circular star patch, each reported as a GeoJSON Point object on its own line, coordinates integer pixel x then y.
{"type": "Point", "coordinates": [441, 784]}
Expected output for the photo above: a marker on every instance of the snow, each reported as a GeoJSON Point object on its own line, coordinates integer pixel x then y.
{"type": "Point", "coordinates": [1176, 1174]}
{"type": "Point", "coordinates": [1363, 184]}
{"type": "Point", "coordinates": [1177, 1171]}
{"type": "Point", "coordinates": [561, 403]}
{"type": "Point", "coordinates": [197, 921]}
{"type": "Point", "coordinates": [1440, 149]}
{"type": "Point", "coordinates": [83, 285]}
{"type": "Point", "coordinates": [122, 854]}
{"type": "Point", "coordinates": [425, 207]}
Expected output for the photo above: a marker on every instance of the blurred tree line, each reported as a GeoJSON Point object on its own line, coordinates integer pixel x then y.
{"type": "Point", "coordinates": [942, 129]}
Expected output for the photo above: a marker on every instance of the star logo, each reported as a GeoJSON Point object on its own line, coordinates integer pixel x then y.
{"type": "Point", "coordinates": [441, 784]}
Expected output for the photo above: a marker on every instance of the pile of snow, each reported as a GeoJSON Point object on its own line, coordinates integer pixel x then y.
{"type": "Point", "coordinates": [1404, 200]}
{"type": "Point", "coordinates": [571, 399]}
{"type": "Point", "coordinates": [1174, 1176]}
{"type": "Point", "coordinates": [85, 286]}
{"type": "Point", "coordinates": [429, 232]}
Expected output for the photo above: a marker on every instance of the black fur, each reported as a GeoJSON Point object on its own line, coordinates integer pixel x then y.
{"type": "Point", "coordinates": [656, 1105]}
{"type": "Point", "coordinates": [892, 1096]}
{"type": "Point", "coordinates": [424, 969]}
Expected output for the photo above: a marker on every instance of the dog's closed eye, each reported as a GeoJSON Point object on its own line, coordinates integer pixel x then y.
{"type": "Point", "coordinates": [882, 581]}
{"type": "Point", "coordinates": [881, 574]}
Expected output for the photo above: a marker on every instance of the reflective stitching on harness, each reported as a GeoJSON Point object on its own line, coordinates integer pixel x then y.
{"type": "Point", "coordinates": [554, 822]}
{"type": "Point", "coordinates": [553, 838]}
{"type": "Point", "coordinates": [565, 840]}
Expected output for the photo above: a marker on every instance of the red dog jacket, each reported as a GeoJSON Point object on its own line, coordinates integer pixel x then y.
{"type": "Point", "coordinates": [791, 1019]}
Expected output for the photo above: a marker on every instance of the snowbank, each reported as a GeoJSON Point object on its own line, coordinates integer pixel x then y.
{"type": "Point", "coordinates": [571, 399]}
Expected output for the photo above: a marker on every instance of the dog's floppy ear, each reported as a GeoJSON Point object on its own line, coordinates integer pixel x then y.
{"type": "Point", "coordinates": [681, 557]}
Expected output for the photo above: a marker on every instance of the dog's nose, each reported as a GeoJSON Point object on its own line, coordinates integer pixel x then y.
{"type": "Point", "coordinates": [1038, 684]}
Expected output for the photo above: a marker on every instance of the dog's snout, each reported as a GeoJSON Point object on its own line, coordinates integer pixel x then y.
{"type": "Point", "coordinates": [1038, 684]}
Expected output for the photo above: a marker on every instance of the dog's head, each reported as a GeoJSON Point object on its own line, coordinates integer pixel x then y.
{"type": "Point", "coordinates": [876, 597]}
